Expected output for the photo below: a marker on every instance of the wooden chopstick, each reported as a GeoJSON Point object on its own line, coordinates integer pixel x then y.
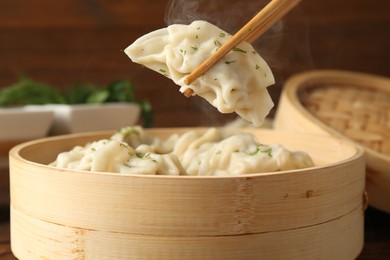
{"type": "Point", "coordinates": [265, 19]}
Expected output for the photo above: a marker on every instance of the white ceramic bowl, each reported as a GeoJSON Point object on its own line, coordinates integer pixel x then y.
{"type": "Point", "coordinates": [91, 117]}
{"type": "Point", "coordinates": [24, 123]}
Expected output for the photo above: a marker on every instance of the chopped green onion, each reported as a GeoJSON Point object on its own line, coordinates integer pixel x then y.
{"type": "Point", "coordinates": [239, 50]}
{"type": "Point", "coordinates": [128, 131]}
{"type": "Point", "coordinates": [183, 51]}
{"type": "Point", "coordinates": [164, 72]}
{"type": "Point", "coordinates": [229, 61]}
{"type": "Point", "coordinates": [145, 156]}
{"type": "Point", "coordinates": [128, 165]}
{"type": "Point", "coordinates": [217, 43]}
{"type": "Point", "coordinates": [258, 149]}
{"type": "Point", "coordinates": [123, 145]}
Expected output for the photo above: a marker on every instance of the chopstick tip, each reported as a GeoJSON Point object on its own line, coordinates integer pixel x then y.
{"type": "Point", "coordinates": [188, 92]}
{"type": "Point", "coordinates": [188, 80]}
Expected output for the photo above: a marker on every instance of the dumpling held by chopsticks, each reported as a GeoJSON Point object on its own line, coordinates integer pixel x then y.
{"type": "Point", "coordinates": [238, 83]}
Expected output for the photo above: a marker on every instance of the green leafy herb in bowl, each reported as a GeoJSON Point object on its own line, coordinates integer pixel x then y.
{"type": "Point", "coordinates": [27, 91]}
{"type": "Point", "coordinates": [30, 92]}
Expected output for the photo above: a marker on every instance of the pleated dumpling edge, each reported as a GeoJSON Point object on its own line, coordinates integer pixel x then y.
{"type": "Point", "coordinates": [238, 83]}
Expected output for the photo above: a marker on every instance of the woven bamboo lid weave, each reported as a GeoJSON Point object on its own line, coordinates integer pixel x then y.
{"type": "Point", "coordinates": [345, 104]}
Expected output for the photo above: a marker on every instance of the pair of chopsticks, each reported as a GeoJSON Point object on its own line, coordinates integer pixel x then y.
{"type": "Point", "coordinates": [257, 26]}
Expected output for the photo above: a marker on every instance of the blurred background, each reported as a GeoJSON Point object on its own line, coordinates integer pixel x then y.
{"type": "Point", "coordinates": [62, 42]}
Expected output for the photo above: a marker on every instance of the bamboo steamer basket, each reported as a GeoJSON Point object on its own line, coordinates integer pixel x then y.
{"type": "Point", "coordinates": [349, 105]}
{"type": "Point", "coordinates": [313, 213]}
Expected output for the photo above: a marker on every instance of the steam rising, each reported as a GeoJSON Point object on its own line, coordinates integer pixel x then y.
{"type": "Point", "coordinates": [231, 15]}
{"type": "Point", "coordinates": [226, 14]}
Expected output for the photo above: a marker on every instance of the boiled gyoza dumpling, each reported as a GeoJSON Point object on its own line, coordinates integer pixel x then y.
{"type": "Point", "coordinates": [197, 152]}
{"type": "Point", "coordinates": [238, 83]}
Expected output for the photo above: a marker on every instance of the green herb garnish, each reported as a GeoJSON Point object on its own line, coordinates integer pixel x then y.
{"type": "Point", "coordinates": [164, 72]}
{"type": "Point", "coordinates": [145, 156]}
{"type": "Point", "coordinates": [139, 155]}
{"type": "Point", "coordinates": [30, 92]}
{"type": "Point", "coordinates": [27, 91]}
{"type": "Point", "coordinates": [259, 149]}
{"type": "Point", "coordinates": [267, 151]}
{"type": "Point", "coordinates": [128, 165]}
{"type": "Point", "coordinates": [124, 145]}
{"type": "Point", "coordinates": [127, 131]}
{"type": "Point", "coordinates": [239, 50]}
{"type": "Point", "coordinates": [230, 61]}
{"type": "Point", "coordinates": [217, 43]}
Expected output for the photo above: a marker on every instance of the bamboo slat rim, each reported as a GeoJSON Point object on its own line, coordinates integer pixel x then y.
{"type": "Point", "coordinates": [303, 80]}
{"type": "Point", "coordinates": [34, 237]}
{"type": "Point", "coordinates": [17, 149]}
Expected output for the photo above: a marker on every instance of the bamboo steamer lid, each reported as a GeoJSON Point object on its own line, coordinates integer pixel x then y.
{"type": "Point", "coordinates": [350, 105]}
{"type": "Point", "coordinates": [311, 213]}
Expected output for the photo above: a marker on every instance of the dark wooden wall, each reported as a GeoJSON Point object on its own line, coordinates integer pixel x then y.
{"type": "Point", "coordinates": [61, 42]}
